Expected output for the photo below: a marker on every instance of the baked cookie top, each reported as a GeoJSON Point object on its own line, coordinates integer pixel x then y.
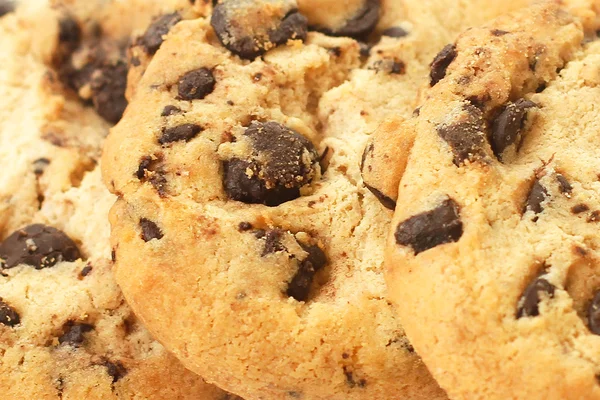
{"type": "Point", "coordinates": [65, 329]}
{"type": "Point", "coordinates": [493, 253]}
{"type": "Point", "coordinates": [262, 253]}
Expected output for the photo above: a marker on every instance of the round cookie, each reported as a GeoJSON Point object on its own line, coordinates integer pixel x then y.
{"type": "Point", "coordinates": [65, 329]}
{"type": "Point", "coordinates": [493, 251]}
{"type": "Point", "coordinates": [263, 252]}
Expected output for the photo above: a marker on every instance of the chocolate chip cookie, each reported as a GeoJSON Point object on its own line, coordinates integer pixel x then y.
{"type": "Point", "coordinates": [65, 329]}
{"type": "Point", "coordinates": [493, 251]}
{"type": "Point", "coordinates": [262, 250]}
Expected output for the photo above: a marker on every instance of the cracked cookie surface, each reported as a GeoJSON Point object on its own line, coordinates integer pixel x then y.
{"type": "Point", "coordinates": [493, 251]}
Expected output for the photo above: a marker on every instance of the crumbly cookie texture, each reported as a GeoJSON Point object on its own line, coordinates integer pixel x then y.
{"type": "Point", "coordinates": [65, 329]}
{"type": "Point", "coordinates": [493, 250]}
{"type": "Point", "coordinates": [263, 252]}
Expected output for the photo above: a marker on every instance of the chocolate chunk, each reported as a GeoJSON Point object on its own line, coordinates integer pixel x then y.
{"type": "Point", "coordinates": [185, 132]}
{"type": "Point", "coordinates": [272, 242]}
{"type": "Point", "coordinates": [151, 169]}
{"type": "Point", "coordinates": [150, 230]}
{"type": "Point", "coordinates": [536, 197]}
{"type": "Point", "coordinates": [39, 246]}
{"type": "Point", "coordinates": [594, 314]}
{"type": "Point", "coordinates": [85, 271]}
{"type": "Point", "coordinates": [6, 6]}
{"type": "Point", "coordinates": [431, 228]}
{"type": "Point", "coordinates": [8, 315]}
{"type": "Point", "coordinates": [244, 226]}
{"type": "Point", "coordinates": [360, 25]}
{"type": "Point", "coordinates": [299, 287]}
{"type": "Point", "coordinates": [196, 84]}
{"type": "Point", "coordinates": [395, 32]}
{"type": "Point", "coordinates": [441, 62]}
{"type": "Point", "coordinates": [115, 370]}
{"type": "Point", "coordinates": [594, 216]}
{"type": "Point", "coordinates": [506, 129]}
{"type": "Point", "coordinates": [466, 135]}
{"type": "Point", "coordinates": [249, 28]}
{"type": "Point", "coordinates": [170, 110]}
{"type": "Point", "coordinates": [530, 300]}
{"type": "Point", "coordinates": [154, 35]}
{"type": "Point", "coordinates": [108, 86]}
{"type": "Point", "coordinates": [580, 208]}
{"type": "Point", "coordinates": [386, 201]}
{"type": "Point", "coordinates": [69, 35]}
{"type": "Point", "coordinates": [282, 161]}
{"type": "Point", "coordinates": [564, 186]}
{"type": "Point", "coordinates": [73, 333]}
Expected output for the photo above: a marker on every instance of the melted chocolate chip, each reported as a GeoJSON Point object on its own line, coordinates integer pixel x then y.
{"type": "Point", "coordinates": [115, 370]}
{"type": "Point", "coordinates": [282, 161]}
{"type": "Point", "coordinates": [533, 294]}
{"type": "Point", "coordinates": [360, 25]}
{"type": "Point", "coordinates": [154, 35]}
{"type": "Point", "coordinates": [466, 135]}
{"type": "Point", "coordinates": [108, 86]}
{"type": "Point", "coordinates": [395, 32]}
{"type": "Point", "coordinates": [536, 197]}
{"type": "Point", "coordinates": [6, 6]}
{"type": "Point", "coordinates": [73, 333]}
{"type": "Point", "coordinates": [431, 228]}
{"type": "Point", "coordinates": [386, 201]}
{"type": "Point", "coordinates": [196, 84]}
{"type": "Point", "coordinates": [594, 314]}
{"type": "Point", "coordinates": [441, 62]}
{"type": "Point", "coordinates": [185, 132]}
{"type": "Point", "coordinates": [150, 230]}
{"type": "Point", "coordinates": [8, 315]}
{"type": "Point", "coordinates": [170, 110]}
{"type": "Point", "coordinates": [249, 28]}
{"type": "Point", "coordinates": [564, 186]}
{"type": "Point", "coordinates": [39, 246]}
{"type": "Point", "coordinates": [299, 287]}
{"type": "Point", "coordinates": [506, 129]}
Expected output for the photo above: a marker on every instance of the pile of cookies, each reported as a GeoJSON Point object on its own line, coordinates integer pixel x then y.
{"type": "Point", "coordinates": [299, 199]}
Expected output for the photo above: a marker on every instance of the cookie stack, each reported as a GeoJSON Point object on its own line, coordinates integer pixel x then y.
{"type": "Point", "coordinates": [369, 199]}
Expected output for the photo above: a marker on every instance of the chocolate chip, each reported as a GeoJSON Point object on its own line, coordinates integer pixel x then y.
{"type": "Point", "coordinates": [431, 228]}
{"type": "Point", "coordinates": [69, 35]}
{"type": "Point", "coordinates": [506, 129]}
{"type": "Point", "coordinates": [365, 49]}
{"type": "Point", "coordinates": [594, 216]}
{"type": "Point", "coordinates": [40, 165]}
{"type": "Point", "coordinates": [135, 61]}
{"type": "Point", "coordinates": [150, 230]}
{"type": "Point", "coordinates": [113, 255]}
{"type": "Point", "coordinates": [466, 135]}
{"type": "Point", "coordinates": [8, 315]}
{"type": "Point", "coordinates": [196, 84]}
{"type": "Point", "coordinates": [360, 25]}
{"type": "Point", "coordinates": [386, 201]}
{"type": "Point", "coordinates": [108, 86]}
{"type": "Point", "coordinates": [594, 314]}
{"type": "Point", "coordinates": [533, 294]}
{"type": "Point", "coordinates": [395, 32]}
{"type": "Point", "coordinates": [282, 161]}
{"type": "Point", "coordinates": [564, 186]}
{"type": "Point", "coordinates": [390, 66]}
{"type": "Point", "coordinates": [244, 226]}
{"type": "Point", "coordinates": [39, 246]}
{"type": "Point", "coordinates": [73, 333]}
{"type": "Point", "coordinates": [260, 233]}
{"type": "Point", "coordinates": [170, 110]}
{"type": "Point", "coordinates": [336, 51]}
{"type": "Point", "coordinates": [85, 271]}
{"type": "Point", "coordinates": [154, 35]}
{"type": "Point", "coordinates": [272, 242]}
{"type": "Point", "coordinates": [536, 197]}
{"type": "Point", "coordinates": [115, 370]}
{"type": "Point", "coordinates": [185, 132]}
{"type": "Point", "coordinates": [151, 169]}
{"type": "Point", "coordinates": [498, 32]}
{"type": "Point", "coordinates": [6, 6]}
{"type": "Point", "coordinates": [441, 62]}
{"type": "Point", "coordinates": [299, 287]}
{"type": "Point", "coordinates": [249, 28]}
{"type": "Point", "coordinates": [351, 381]}
{"type": "Point", "coordinates": [580, 208]}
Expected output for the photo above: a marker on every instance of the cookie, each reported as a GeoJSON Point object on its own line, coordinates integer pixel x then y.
{"type": "Point", "coordinates": [493, 249]}
{"type": "Point", "coordinates": [65, 329]}
{"type": "Point", "coordinates": [263, 252]}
